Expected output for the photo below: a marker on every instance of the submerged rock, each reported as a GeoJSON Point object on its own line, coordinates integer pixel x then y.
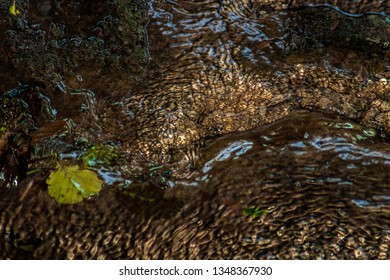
{"type": "Point", "coordinates": [220, 68]}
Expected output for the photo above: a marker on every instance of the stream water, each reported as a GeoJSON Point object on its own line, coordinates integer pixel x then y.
{"type": "Point", "coordinates": [323, 182]}
{"type": "Point", "coordinates": [268, 130]}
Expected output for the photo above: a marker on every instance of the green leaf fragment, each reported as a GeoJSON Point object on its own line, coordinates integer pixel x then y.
{"type": "Point", "coordinates": [138, 196]}
{"type": "Point", "coordinates": [254, 212]}
{"type": "Point", "coordinates": [101, 154]}
{"type": "Point", "coordinates": [13, 10]}
{"type": "Point", "coordinates": [33, 171]}
{"type": "Point", "coordinates": [69, 184]}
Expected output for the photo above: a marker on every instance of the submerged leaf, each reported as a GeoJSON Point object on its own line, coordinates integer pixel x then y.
{"type": "Point", "coordinates": [69, 184]}
{"type": "Point", "coordinates": [254, 212]}
{"type": "Point", "coordinates": [101, 154]}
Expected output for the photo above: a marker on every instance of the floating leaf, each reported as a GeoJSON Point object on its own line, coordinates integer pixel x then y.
{"type": "Point", "coordinates": [69, 184]}
{"type": "Point", "coordinates": [12, 9]}
{"type": "Point", "coordinates": [254, 212]}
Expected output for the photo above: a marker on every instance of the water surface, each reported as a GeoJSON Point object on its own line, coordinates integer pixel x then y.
{"type": "Point", "coordinates": [255, 131]}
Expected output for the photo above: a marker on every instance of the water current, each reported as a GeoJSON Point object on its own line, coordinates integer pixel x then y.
{"type": "Point", "coordinates": [269, 123]}
{"type": "Point", "coordinates": [223, 66]}
{"type": "Point", "coordinates": [323, 182]}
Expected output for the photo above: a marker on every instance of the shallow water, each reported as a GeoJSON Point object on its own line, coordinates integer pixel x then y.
{"type": "Point", "coordinates": [322, 181]}
{"type": "Point", "coordinates": [230, 66]}
{"type": "Point", "coordinates": [224, 156]}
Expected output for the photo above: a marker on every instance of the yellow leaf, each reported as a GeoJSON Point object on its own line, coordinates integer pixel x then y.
{"type": "Point", "coordinates": [69, 184]}
{"type": "Point", "coordinates": [12, 9]}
